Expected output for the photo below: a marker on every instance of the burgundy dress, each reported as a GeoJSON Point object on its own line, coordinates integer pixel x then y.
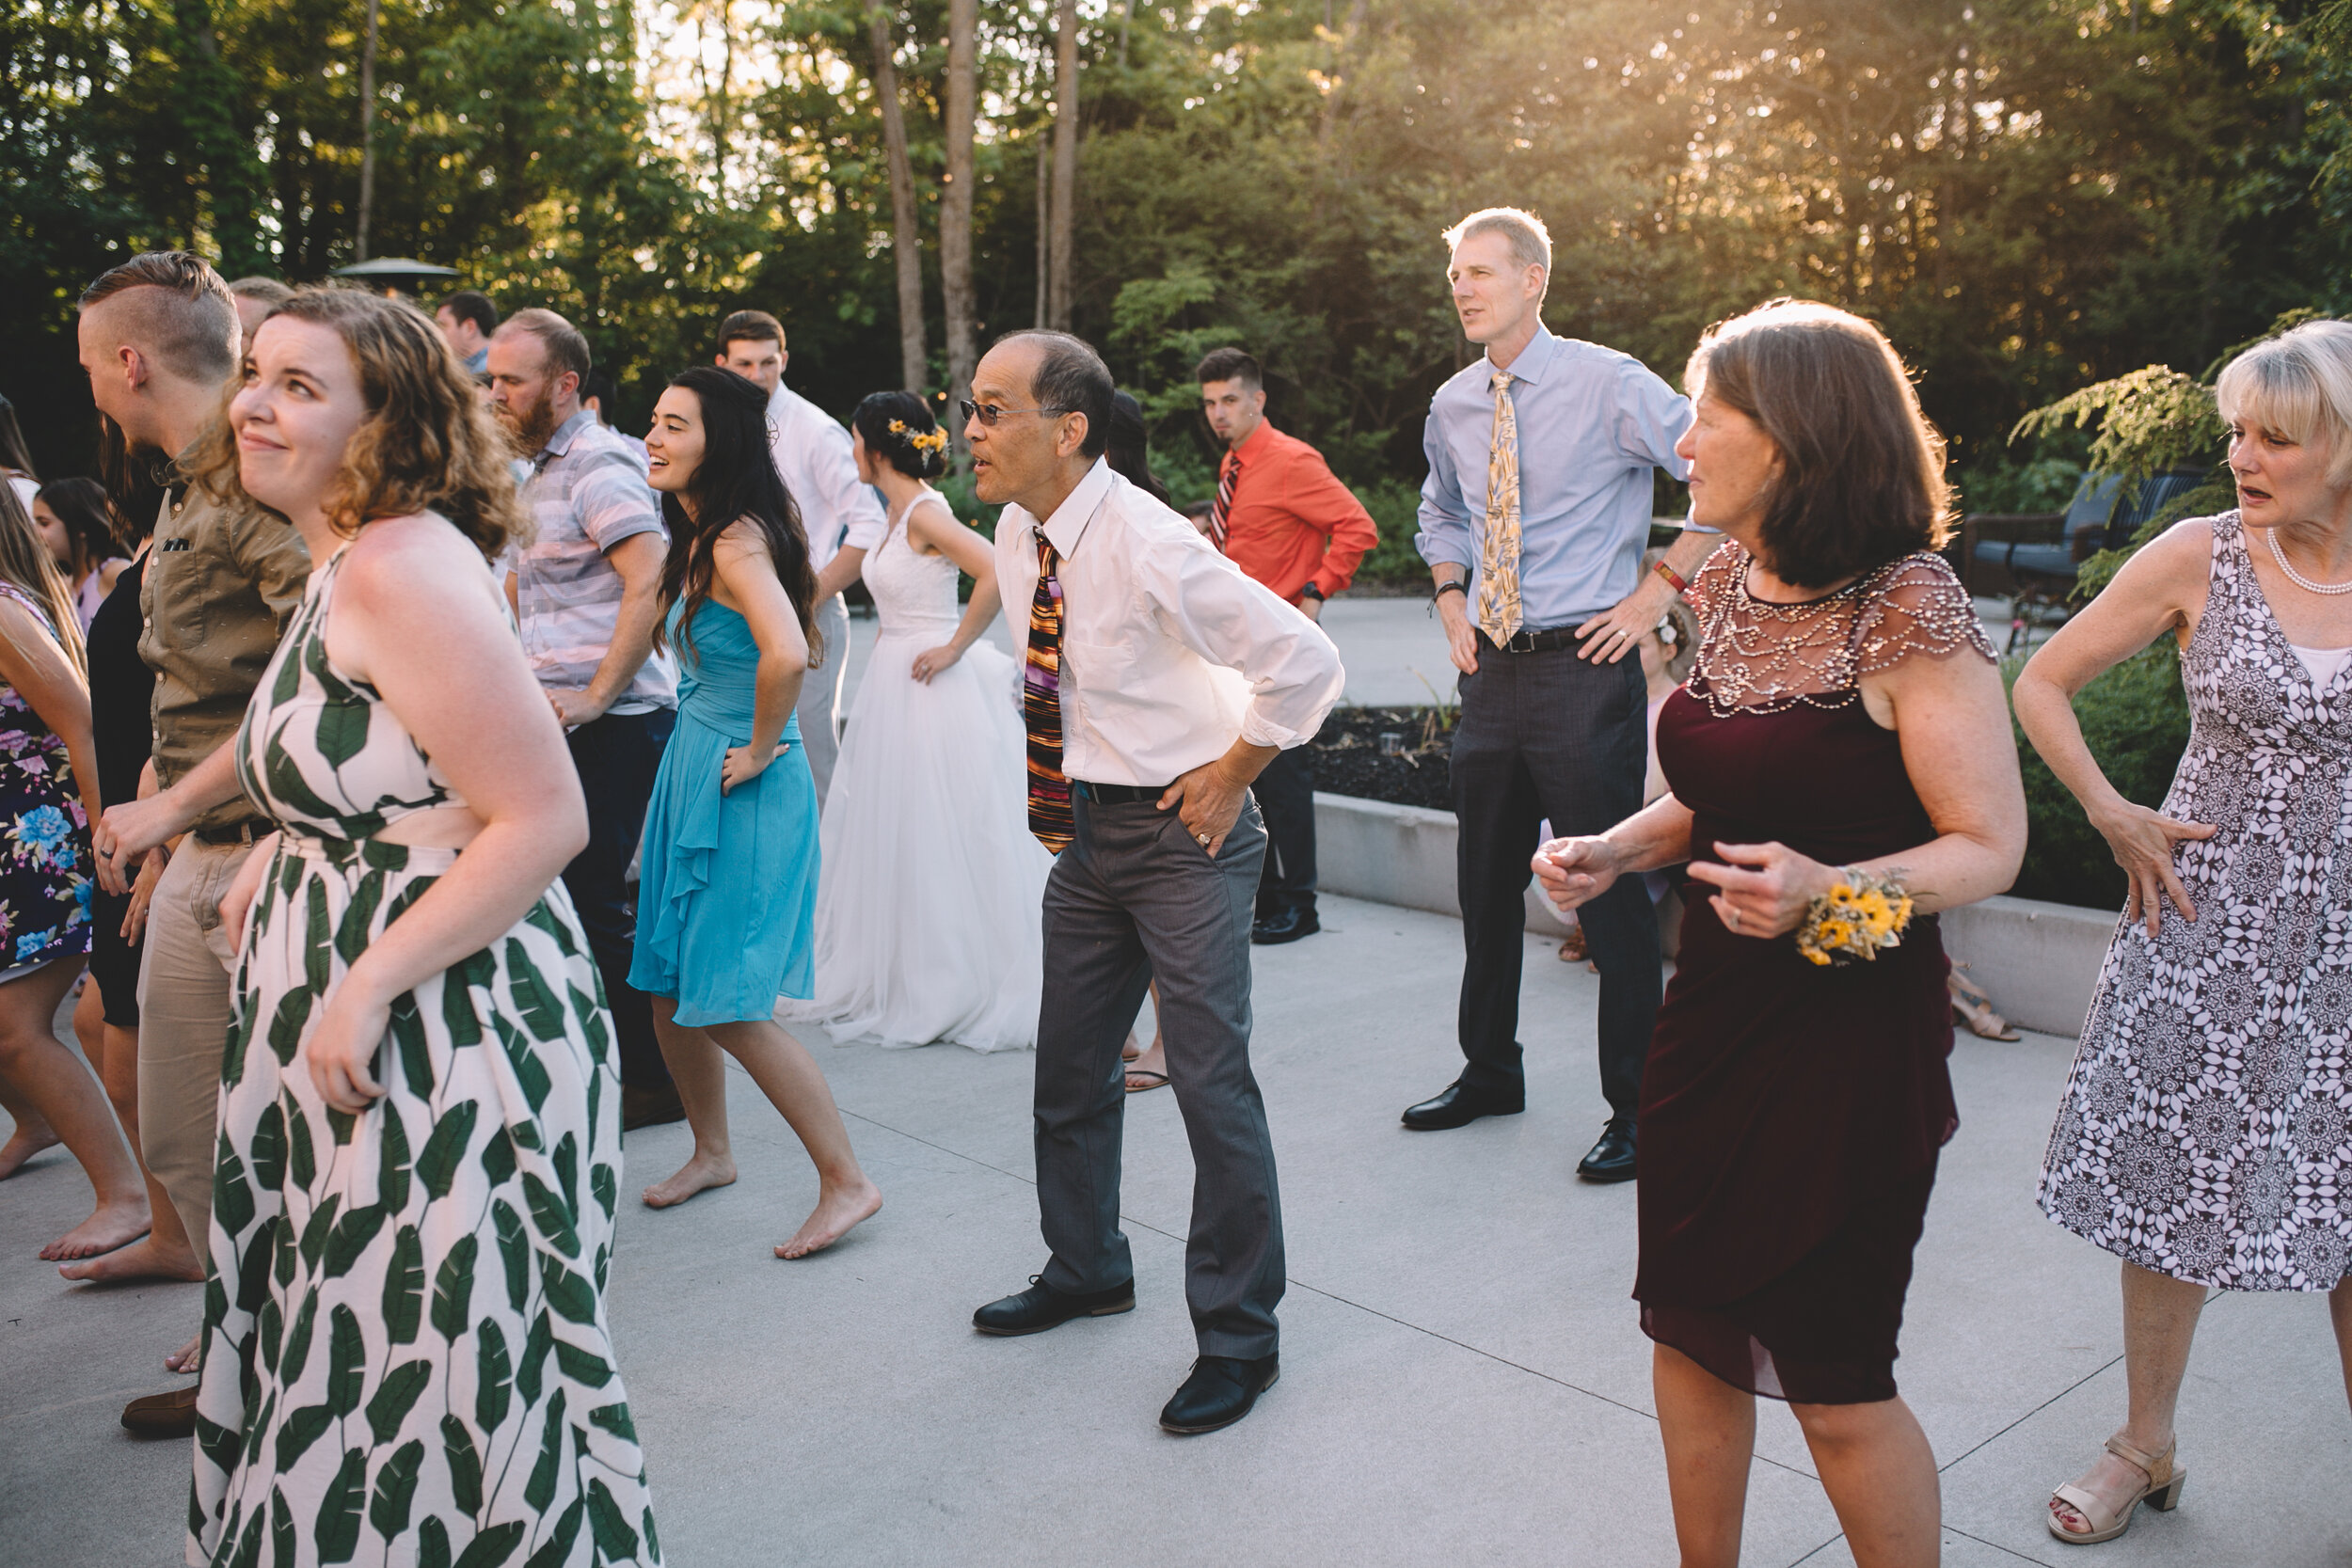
{"type": "Point", "coordinates": [1791, 1113]}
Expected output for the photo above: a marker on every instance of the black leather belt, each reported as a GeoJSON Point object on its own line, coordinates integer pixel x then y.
{"type": "Point", "coordinates": [1117, 795]}
{"type": "Point", "coordinates": [235, 833]}
{"type": "Point", "coordinates": [1532, 642]}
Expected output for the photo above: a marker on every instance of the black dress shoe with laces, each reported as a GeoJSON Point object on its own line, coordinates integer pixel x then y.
{"type": "Point", "coordinates": [1289, 926]}
{"type": "Point", "coordinates": [1612, 1159]}
{"type": "Point", "coordinates": [1458, 1105]}
{"type": "Point", "coordinates": [1220, 1391]}
{"type": "Point", "coordinates": [1040, 1307]}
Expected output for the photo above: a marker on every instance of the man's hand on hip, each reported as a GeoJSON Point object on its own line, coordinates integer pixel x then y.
{"type": "Point", "coordinates": [1618, 630]}
{"type": "Point", "coordinates": [1209, 801]}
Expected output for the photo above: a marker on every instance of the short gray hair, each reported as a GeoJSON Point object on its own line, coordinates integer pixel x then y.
{"type": "Point", "coordinates": [2297, 385]}
{"type": "Point", "coordinates": [1531, 242]}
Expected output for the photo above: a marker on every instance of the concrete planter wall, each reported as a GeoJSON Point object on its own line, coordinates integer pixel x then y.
{"type": "Point", "coordinates": [2038, 961]}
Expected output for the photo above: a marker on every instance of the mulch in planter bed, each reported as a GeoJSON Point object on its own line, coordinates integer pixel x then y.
{"type": "Point", "coordinates": [1397, 754]}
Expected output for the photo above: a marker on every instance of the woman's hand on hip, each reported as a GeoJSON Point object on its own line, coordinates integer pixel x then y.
{"type": "Point", "coordinates": [930, 661]}
{"type": "Point", "coordinates": [742, 764]}
{"type": "Point", "coordinates": [1576, 871]}
{"type": "Point", "coordinates": [343, 1048]}
{"type": "Point", "coordinates": [1766, 888]}
{"type": "Point", "coordinates": [238, 900]}
{"type": "Point", "coordinates": [2142, 841]}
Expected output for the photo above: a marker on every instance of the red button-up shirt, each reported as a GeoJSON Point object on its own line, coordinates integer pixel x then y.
{"type": "Point", "coordinates": [1293, 522]}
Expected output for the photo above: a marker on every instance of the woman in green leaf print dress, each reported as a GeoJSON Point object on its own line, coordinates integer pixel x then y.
{"type": "Point", "coordinates": [406, 1355]}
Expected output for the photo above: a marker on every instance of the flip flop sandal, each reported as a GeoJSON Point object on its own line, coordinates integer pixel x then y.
{"type": "Point", "coordinates": [1146, 1072]}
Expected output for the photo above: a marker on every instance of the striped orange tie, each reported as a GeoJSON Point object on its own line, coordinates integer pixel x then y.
{"type": "Point", "coordinates": [1041, 709]}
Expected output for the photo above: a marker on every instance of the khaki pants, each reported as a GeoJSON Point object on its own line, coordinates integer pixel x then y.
{"type": "Point", "coordinates": [183, 1028]}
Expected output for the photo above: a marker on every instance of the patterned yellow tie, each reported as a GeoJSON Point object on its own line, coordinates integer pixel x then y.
{"type": "Point", "coordinates": [1499, 544]}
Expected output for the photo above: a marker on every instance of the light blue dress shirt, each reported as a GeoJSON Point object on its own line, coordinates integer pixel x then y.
{"type": "Point", "coordinates": [1592, 423]}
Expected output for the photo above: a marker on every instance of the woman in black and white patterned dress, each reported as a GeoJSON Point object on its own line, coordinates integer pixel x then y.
{"type": "Point", "coordinates": [2206, 1128]}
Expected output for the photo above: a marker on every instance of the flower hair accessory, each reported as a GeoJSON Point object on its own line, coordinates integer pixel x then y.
{"type": "Point", "coordinates": [1861, 914]}
{"type": "Point", "coordinates": [934, 441]}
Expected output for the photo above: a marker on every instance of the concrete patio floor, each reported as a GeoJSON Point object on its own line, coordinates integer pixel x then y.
{"type": "Point", "coordinates": [1464, 1382]}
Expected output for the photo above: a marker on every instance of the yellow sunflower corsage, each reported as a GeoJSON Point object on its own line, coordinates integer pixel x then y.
{"type": "Point", "coordinates": [935, 440]}
{"type": "Point", "coordinates": [1861, 914]}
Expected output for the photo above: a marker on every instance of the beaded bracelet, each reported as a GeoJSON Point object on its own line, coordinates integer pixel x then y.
{"type": "Point", "coordinates": [1861, 913]}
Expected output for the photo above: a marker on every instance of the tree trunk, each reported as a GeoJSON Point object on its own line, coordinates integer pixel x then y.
{"type": "Point", "coordinates": [1065, 166]}
{"type": "Point", "coordinates": [906, 239]}
{"type": "Point", "coordinates": [367, 132]}
{"type": "Point", "coordinates": [954, 211]}
{"type": "Point", "coordinates": [1044, 219]}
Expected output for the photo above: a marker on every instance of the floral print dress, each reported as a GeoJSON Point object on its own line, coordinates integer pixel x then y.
{"type": "Point", "coordinates": [406, 1354]}
{"type": "Point", "coordinates": [44, 837]}
{"type": "Point", "coordinates": [2207, 1129]}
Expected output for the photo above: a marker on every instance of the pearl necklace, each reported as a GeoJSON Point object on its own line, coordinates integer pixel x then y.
{"type": "Point", "coordinates": [2298, 579]}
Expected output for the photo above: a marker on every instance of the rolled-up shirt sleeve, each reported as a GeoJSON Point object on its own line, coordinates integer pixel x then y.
{"type": "Point", "coordinates": [1293, 669]}
{"type": "Point", "coordinates": [1445, 531]}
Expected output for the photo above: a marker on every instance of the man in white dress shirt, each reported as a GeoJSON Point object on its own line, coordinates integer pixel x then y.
{"type": "Point", "coordinates": [843, 517]}
{"type": "Point", "coordinates": [1159, 681]}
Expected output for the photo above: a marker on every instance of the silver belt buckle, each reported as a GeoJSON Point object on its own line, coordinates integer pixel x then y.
{"type": "Point", "coordinates": [1522, 642]}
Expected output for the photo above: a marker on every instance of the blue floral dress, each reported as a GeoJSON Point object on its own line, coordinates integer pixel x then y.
{"type": "Point", "coordinates": [44, 837]}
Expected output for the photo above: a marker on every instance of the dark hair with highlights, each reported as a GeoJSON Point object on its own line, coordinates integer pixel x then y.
{"type": "Point", "coordinates": [897, 448]}
{"type": "Point", "coordinates": [1861, 470]}
{"type": "Point", "coordinates": [80, 504]}
{"type": "Point", "coordinates": [427, 445]}
{"type": "Point", "coordinates": [736, 482]}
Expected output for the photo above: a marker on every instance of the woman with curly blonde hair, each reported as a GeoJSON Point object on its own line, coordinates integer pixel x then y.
{"type": "Point", "coordinates": [420, 1124]}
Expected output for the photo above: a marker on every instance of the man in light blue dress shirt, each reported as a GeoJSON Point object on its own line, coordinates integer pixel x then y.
{"type": "Point", "coordinates": [1533, 521]}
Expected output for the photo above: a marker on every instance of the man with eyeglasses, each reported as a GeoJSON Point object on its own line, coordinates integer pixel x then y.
{"type": "Point", "coordinates": [1158, 682]}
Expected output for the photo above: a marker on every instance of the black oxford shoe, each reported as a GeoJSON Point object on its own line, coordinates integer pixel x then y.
{"type": "Point", "coordinates": [1612, 1159]}
{"type": "Point", "coordinates": [1220, 1391]}
{"type": "Point", "coordinates": [1289, 926]}
{"type": "Point", "coordinates": [1040, 1307]}
{"type": "Point", "coordinates": [1458, 1105]}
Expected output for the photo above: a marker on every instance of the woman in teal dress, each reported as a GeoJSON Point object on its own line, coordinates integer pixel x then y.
{"type": "Point", "coordinates": [726, 900]}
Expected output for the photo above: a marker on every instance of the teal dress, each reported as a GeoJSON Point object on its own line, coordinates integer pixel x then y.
{"type": "Point", "coordinates": [726, 899]}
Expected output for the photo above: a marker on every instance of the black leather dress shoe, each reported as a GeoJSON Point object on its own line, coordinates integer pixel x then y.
{"type": "Point", "coordinates": [1289, 926]}
{"type": "Point", "coordinates": [650, 1107]}
{"type": "Point", "coordinates": [1040, 1307]}
{"type": "Point", "coordinates": [1612, 1159]}
{"type": "Point", "coordinates": [1219, 1392]}
{"type": "Point", "coordinates": [1460, 1105]}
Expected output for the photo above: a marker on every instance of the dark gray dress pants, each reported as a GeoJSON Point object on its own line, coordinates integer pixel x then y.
{"type": "Point", "coordinates": [1548, 735]}
{"type": "Point", "coordinates": [1132, 898]}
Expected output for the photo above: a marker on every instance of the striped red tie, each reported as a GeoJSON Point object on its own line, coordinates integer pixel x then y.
{"type": "Point", "coordinates": [1041, 709]}
{"type": "Point", "coordinates": [1222, 512]}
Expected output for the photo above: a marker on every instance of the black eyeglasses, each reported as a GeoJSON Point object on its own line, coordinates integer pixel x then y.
{"type": "Point", "coordinates": [987, 413]}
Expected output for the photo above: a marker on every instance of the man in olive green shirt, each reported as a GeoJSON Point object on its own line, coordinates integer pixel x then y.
{"type": "Point", "coordinates": [160, 339]}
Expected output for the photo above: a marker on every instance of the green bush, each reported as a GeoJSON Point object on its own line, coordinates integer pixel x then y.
{"type": "Point", "coordinates": [2135, 720]}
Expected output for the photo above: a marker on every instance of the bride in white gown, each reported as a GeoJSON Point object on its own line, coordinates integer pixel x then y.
{"type": "Point", "coordinates": [927, 922]}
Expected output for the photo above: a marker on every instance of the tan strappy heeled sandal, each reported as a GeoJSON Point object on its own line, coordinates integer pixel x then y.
{"type": "Point", "coordinates": [2161, 1493]}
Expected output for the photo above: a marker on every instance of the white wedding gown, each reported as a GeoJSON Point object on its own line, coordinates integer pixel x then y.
{"type": "Point", "coordinates": [927, 919]}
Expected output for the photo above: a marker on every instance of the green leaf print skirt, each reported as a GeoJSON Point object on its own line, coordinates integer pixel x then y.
{"type": "Point", "coordinates": [405, 1356]}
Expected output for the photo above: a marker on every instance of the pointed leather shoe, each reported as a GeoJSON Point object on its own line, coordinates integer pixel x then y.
{"type": "Point", "coordinates": [1458, 1105]}
{"type": "Point", "coordinates": [1220, 1391]}
{"type": "Point", "coordinates": [1289, 926]}
{"type": "Point", "coordinates": [1040, 1307]}
{"type": "Point", "coordinates": [1612, 1159]}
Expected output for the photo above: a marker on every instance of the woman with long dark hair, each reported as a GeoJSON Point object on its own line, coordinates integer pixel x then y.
{"type": "Point", "coordinates": [77, 525]}
{"type": "Point", "coordinates": [726, 900]}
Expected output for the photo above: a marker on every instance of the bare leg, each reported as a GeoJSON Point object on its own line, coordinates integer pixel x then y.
{"type": "Point", "coordinates": [1880, 1474]}
{"type": "Point", "coordinates": [700, 1076]}
{"type": "Point", "coordinates": [1710, 1431]}
{"type": "Point", "coordinates": [2159, 1322]}
{"type": "Point", "coordinates": [794, 1084]}
{"type": "Point", "coordinates": [165, 1252]}
{"type": "Point", "coordinates": [39, 1068]}
{"type": "Point", "coordinates": [1154, 1060]}
{"type": "Point", "coordinates": [30, 1136]}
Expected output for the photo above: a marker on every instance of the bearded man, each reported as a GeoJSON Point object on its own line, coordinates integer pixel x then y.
{"type": "Point", "coordinates": [587, 595]}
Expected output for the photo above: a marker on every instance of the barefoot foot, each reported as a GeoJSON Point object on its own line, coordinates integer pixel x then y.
{"type": "Point", "coordinates": [187, 1359]}
{"type": "Point", "coordinates": [145, 1259]}
{"type": "Point", "coordinates": [23, 1145]}
{"type": "Point", "coordinates": [836, 1214]}
{"type": "Point", "coordinates": [698, 1174]}
{"type": "Point", "coordinates": [114, 1224]}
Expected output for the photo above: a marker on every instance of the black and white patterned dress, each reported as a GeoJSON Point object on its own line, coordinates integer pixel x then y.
{"type": "Point", "coordinates": [2207, 1129]}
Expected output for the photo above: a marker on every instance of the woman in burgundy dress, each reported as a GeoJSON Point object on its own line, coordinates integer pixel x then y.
{"type": "Point", "coordinates": [1841, 763]}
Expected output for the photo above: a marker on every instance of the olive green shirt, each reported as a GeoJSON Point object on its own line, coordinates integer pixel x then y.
{"type": "Point", "coordinates": [222, 582]}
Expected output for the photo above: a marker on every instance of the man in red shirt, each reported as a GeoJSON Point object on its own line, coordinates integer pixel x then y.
{"type": "Point", "coordinates": [1286, 521]}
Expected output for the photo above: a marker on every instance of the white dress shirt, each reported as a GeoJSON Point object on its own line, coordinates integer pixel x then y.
{"type": "Point", "coordinates": [820, 469]}
{"type": "Point", "coordinates": [1168, 653]}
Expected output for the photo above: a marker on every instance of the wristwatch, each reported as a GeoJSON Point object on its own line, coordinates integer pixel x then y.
{"type": "Point", "coordinates": [1312, 592]}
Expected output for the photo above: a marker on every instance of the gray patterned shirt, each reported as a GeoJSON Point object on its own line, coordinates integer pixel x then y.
{"type": "Point", "coordinates": [587, 494]}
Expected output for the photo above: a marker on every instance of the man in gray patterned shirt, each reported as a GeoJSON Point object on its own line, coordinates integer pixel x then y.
{"type": "Point", "coordinates": [586, 592]}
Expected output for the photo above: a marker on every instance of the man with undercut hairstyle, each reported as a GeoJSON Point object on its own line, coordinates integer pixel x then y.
{"type": "Point", "coordinates": [587, 595]}
{"type": "Point", "coordinates": [160, 341]}
{"type": "Point", "coordinates": [842, 517]}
